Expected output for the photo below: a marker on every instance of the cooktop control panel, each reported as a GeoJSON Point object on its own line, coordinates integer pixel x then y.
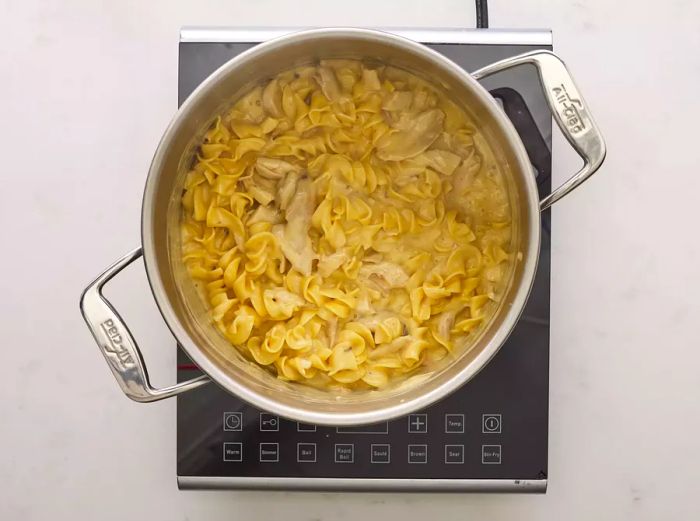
{"type": "Point", "coordinates": [478, 432]}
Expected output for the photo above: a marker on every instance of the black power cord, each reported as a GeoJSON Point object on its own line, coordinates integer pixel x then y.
{"type": "Point", "coordinates": [482, 14]}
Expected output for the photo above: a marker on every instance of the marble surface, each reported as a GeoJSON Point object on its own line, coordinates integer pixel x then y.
{"type": "Point", "coordinates": [87, 88]}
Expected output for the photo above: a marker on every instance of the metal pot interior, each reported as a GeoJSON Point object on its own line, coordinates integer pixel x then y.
{"type": "Point", "coordinates": [186, 314]}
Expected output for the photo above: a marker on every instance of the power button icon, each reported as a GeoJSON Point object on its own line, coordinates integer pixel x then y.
{"type": "Point", "coordinates": [491, 423]}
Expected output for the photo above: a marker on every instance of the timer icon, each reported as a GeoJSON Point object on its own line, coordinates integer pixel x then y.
{"type": "Point", "coordinates": [233, 421]}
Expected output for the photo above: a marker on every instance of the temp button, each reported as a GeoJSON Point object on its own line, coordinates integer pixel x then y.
{"type": "Point", "coordinates": [454, 423]}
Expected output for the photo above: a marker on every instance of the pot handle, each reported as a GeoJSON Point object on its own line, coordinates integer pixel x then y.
{"type": "Point", "coordinates": [118, 345]}
{"type": "Point", "coordinates": [569, 109]}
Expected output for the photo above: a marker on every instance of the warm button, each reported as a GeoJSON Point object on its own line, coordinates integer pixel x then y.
{"type": "Point", "coordinates": [233, 451]}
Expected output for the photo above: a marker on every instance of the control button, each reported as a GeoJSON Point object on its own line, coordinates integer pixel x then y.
{"type": "Point", "coordinates": [417, 423]}
{"type": "Point", "coordinates": [305, 427]}
{"type": "Point", "coordinates": [418, 454]}
{"type": "Point", "coordinates": [454, 454]}
{"type": "Point", "coordinates": [233, 451]}
{"type": "Point", "coordinates": [454, 423]}
{"type": "Point", "coordinates": [380, 453]}
{"type": "Point", "coordinates": [344, 453]}
{"type": "Point", "coordinates": [491, 423]}
{"type": "Point", "coordinates": [491, 454]}
{"type": "Point", "coordinates": [269, 422]}
{"type": "Point", "coordinates": [306, 452]}
{"type": "Point", "coordinates": [233, 421]}
{"type": "Point", "coordinates": [269, 452]}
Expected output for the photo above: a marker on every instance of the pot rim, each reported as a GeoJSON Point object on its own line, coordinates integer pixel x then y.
{"type": "Point", "coordinates": [401, 407]}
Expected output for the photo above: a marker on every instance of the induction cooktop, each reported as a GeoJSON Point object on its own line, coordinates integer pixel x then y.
{"type": "Point", "coordinates": [490, 435]}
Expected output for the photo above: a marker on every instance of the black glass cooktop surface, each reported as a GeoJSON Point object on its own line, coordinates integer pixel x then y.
{"type": "Point", "coordinates": [489, 435]}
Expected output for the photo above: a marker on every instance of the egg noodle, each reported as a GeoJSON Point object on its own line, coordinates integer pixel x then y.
{"type": "Point", "coordinates": [347, 225]}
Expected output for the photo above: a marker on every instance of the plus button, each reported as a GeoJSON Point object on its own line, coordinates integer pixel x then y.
{"type": "Point", "coordinates": [417, 423]}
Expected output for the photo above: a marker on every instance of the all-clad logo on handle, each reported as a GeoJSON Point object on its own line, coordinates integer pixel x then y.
{"type": "Point", "coordinates": [570, 109]}
{"type": "Point", "coordinates": [116, 344]}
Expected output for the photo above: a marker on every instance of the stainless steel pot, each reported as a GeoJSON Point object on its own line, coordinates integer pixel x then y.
{"type": "Point", "coordinates": [184, 313]}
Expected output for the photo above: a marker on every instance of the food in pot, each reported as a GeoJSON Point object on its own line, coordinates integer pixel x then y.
{"type": "Point", "coordinates": [347, 225]}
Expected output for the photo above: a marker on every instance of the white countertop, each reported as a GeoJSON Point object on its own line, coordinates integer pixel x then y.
{"type": "Point", "coordinates": [87, 91]}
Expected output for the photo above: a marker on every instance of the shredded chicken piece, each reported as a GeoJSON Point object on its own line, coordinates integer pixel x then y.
{"type": "Point", "coordinates": [397, 100]}
{"type": "Point", "coordinates": [462, 179]}
{"type": "Point", "coordinates": [332, 330]}
{"type": "Point", "coordinates": [393, 347]}
{"type": "Point", "coordinates": [411, 136]}
{"type": "Point", "coordinates": [293, 237]}
{"type": "Point", "coordinates": [286, 189]}
{"type": "Point", "coordinates": [444, 324]}
{"type": "Point", "coordinates": [364, 307]}
{"type": "Point", "coordinates": [273, 168]}
{"type": "Point", "coordinates": [285, 302]}
{"type": "Point", "coordinates": [327, 264]}
{"type": "Point", "coordinates": [370, 79]}
{"type": "Point", "coordinates": [250, 106]}
{"type": "Point", "coordinates": [328, 83]}
{"type": "Point", "coordinates": [385, 274]}
{"type": "Point", "coordinates": [439, 160]}
{"type": "Point", "coordinates": [264, 214]}
{"type": "Point", "coordinates": [272, 99]}
{"type": "Point", "coordinates": [372, 321]}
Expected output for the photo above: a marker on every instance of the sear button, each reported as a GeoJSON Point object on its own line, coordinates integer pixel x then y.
{"type": "Point", "coordinates": [454, 454]}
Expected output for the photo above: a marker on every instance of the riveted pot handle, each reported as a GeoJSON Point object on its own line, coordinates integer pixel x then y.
{"type": "Point", "coordinates": [118, 345]}
{"type": "Point", "coordinates": [569, 109]}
